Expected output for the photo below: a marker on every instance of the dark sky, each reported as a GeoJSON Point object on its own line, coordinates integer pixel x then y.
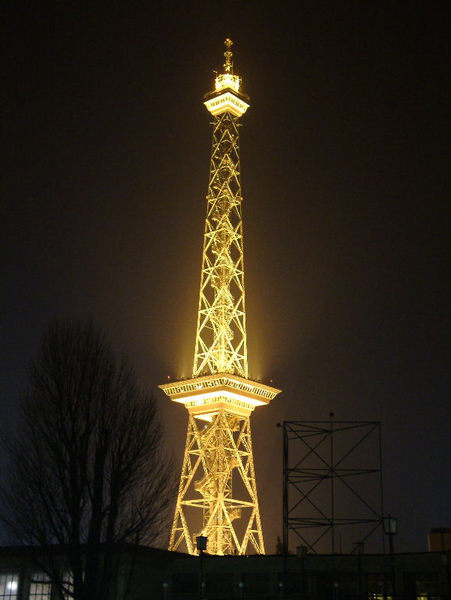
{"type": "Point", "coordinates": [345, 172]}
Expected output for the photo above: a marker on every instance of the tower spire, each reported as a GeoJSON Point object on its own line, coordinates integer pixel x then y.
{"type": "Point", "coordinates": [228, 65]}
{"type": "Point", "coordinates": [221, 341]}
{"type": "Point", "coordinates": [218, 493]}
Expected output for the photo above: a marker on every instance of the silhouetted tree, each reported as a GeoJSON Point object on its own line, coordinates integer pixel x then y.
{"type": "Point", "coordinates": [86, 464]}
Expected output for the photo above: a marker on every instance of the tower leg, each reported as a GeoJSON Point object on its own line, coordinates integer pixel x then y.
{"type": "Point", "coordinates": [218, 458]}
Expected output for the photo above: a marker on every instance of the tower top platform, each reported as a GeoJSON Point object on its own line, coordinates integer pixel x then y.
{"type": "Point", "coordinates": [205, 396]}
{"type": "Point", "coordinates": [227, 95]}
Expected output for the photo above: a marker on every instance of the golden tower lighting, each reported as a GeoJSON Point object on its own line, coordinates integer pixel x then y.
{"type": "Point", "coordinates": [217, 495]}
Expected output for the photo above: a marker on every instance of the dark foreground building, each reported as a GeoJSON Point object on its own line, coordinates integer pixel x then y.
{"type": "Point", "coordinates": [147, 574]}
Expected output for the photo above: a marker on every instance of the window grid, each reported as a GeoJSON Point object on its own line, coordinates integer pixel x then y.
{"type": "Point", "coordinates": [40, 587]}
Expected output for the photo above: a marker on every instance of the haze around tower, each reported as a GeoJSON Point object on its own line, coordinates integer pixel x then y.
{"type": "Point", "coordinates": [345, 183]}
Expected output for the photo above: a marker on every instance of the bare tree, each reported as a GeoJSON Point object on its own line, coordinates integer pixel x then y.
{"type": "Point", "coordinates": [86, 465]}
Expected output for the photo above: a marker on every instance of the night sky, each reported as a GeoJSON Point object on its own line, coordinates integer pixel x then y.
{"type": "Point", "coordinates": [345, 174]}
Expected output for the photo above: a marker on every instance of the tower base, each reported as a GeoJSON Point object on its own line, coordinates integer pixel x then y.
{"type": "Point", "coordinates": [218, 494]}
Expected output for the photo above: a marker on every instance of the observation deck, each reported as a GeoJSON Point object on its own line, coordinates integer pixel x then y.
{"type": "Point", "coordinates": [205, 396]}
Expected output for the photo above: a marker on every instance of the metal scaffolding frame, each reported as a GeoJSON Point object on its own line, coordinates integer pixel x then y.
{"type": "Point", "coordinates": [323, 478]}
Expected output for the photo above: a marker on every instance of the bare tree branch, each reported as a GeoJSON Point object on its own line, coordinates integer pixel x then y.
{"type": "Point", "coordinates": [86, 464]}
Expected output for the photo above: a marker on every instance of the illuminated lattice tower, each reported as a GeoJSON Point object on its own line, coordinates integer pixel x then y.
{"type": "Point", "coordinates": [218, 494]}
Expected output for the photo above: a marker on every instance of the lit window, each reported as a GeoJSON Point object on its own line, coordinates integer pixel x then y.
{"type": "Point", "coordinates": [9, 585]}
{"type": "Point", "coordinates": [40, 587]}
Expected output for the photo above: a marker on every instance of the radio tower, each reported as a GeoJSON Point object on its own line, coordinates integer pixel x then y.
{"type": "Point", "coordinates": [217, 496]}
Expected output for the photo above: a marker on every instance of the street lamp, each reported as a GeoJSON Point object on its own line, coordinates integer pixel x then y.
{"type": "Point", "coordinates": [301, 552]}
{"type": "Point", "coordinates": [359, 548]}
{"type": "Point", "coordinates": [391, 529]}
{"type": "Point", "coordinates": [165, 589]}
{"type": "Point", "coordinates": [201, 544]}
{"type": "Point", "coordinates": [241, 588]}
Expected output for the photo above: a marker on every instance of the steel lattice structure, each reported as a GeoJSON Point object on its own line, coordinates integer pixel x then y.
{"type": "Point", "coordinates": [218, 494]}
{"type": "Point", "coordinates": [221, 325]}
{"type": "Point", "coordinates": [224, 446]}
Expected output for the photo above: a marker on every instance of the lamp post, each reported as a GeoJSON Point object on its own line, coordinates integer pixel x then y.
{"type": "Point", "coordinates": [391, 529]}
{"type": "Point", "coordinates": [301, 551]}
{"type": "Point", "coordinates": [359, 549]}
{"type": "Point", "coordinates": [201, 544]}
{"type": "Point", "coordinates": [241, 588]}
{"type": "Point", "coordinates": [165, 590]}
